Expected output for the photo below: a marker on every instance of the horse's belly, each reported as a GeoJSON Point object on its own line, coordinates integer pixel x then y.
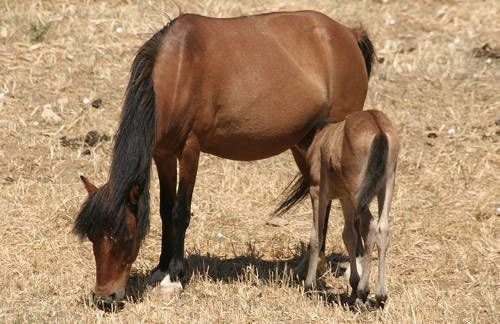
{"type": "Point", "coordinates": [261, 131]}
{"type": "Point", "coordinates": [244, 148]}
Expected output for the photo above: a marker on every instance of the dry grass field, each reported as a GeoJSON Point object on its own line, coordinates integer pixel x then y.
{"type": "Point", "coordinates": [436, 79]}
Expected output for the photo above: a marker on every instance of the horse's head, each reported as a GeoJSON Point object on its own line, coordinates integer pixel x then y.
{"type": "Point", "coordinates": [114, 238]}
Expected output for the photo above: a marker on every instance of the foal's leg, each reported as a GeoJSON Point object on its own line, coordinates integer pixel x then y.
{"type": "Point", "coordinates": [382, 239]}
{"type": "Point", "coordinates": [367, 230]}
{"type": "Point", "coordinates": [167, 174]}
{"type": "Point", "coordinates": [188, 166]}
{"type": "Point", "coordinates": [300, 161]}
{"type": "Point", "coordinates": [320, 202]}
{"type": "Point", "coordinates": [351, 241]}
{"type": "Point", "coordinates": [322, 266]}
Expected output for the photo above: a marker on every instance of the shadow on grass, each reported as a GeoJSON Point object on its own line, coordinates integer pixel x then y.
{"type": "Point", "coordinates": [137, 285]}
{"type": "Point", "coordinates": [236, 269]}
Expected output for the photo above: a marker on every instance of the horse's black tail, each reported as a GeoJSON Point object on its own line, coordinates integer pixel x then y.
{"type": "Point", "coordinates": [367, 49]}
{"type": "Point", "coordinates": [374, 173]}
{"type": "Point", "coordinates": [296, 191]}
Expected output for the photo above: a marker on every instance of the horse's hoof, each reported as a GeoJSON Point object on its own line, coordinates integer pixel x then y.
{"type": "Point", "coordinates": [169, 287]}
{"type": "Point", "coordinates": [157, 276]}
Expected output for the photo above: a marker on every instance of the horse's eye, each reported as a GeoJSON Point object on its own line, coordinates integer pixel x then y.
{"type": "Point", "coordinates": [132, 208]}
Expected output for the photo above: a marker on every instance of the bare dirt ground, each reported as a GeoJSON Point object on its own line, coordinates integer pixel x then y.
{"type": "Point", "coordinates": [436, 79]}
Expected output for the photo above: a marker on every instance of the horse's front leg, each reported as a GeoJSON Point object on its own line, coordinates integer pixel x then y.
{"type": "Point", "coordinates": [166, 166]}
{"type": "Point", "coordinates": [181, 214]}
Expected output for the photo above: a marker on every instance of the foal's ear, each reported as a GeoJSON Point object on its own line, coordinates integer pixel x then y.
{"type": "Point", "coordinates": [88, 185]}
{"type": "Point", "coordinates": [133, 195]}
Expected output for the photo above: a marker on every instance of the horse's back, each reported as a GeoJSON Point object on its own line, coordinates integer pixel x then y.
{"type": "Point", "coordinates": [264, 81]}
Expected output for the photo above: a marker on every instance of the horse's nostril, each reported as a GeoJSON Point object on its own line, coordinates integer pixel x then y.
{"type": "Point", "coordinates": [113, 296]}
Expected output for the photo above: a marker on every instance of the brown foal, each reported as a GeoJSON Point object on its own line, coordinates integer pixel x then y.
{"type": "Point", "coordinates": [243, 88]}
{"type": "Point", "coordinates": [354, 161]}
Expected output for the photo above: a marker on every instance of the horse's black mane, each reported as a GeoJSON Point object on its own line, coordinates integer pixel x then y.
{"type": "Point", "coordinates": [105, 210]}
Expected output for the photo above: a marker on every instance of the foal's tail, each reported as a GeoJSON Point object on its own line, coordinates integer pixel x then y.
{"type": "Point", "coordinates": [366, 47]}
{"type": "Point", "coordinates": [374, 173]}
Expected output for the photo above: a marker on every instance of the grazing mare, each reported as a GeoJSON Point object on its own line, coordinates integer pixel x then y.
{"type": "Point", "coordinates": [354, 161]}
{"type": "Point", "coordinates": [242, 88]}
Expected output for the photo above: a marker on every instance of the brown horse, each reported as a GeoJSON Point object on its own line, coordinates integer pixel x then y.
{"type": "Point", "coordinates": [242, 88]}
{"type": "Point", "coordinates": [354, 161]}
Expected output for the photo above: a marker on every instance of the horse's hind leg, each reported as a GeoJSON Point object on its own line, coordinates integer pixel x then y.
{"type": "Point", "coordinates": [188, 167]}
{"type": "Point", "coordinates": [167, 174]}
{"type": "Point", "coordinates": [384, 206]}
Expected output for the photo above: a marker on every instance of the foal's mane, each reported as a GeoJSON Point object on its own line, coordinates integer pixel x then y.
{"type": "Point", "coordinates": [105, 209]}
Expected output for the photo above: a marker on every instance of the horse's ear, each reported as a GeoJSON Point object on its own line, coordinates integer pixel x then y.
{"type": "Point", "coordinates": [133, 195]}
{"type": "Point", "coordinates": [88, 185]}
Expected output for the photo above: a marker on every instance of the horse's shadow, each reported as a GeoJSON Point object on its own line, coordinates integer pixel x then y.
{"type": "Point", "coordinates": [234, 269]}
{"type": "Point", "coordinates": [238, 268]}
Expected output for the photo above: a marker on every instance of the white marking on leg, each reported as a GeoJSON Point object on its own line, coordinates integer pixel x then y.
{"type": "Point", "coordinates": [359, 267]}
{"type": "Point", "coordinates": [347, 273]}
{"type": "Point", "coordinates": [167, 286]}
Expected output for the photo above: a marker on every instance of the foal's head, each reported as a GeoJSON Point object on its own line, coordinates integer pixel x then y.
{"type": "Point", "coordinates": [114, 236]}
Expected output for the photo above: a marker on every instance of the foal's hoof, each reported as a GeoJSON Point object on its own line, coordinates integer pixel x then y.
{"type": "Point", "coordinates": [381, 301]}
{"type": "Point", "coordinates": [310, 286]}
{"type": "Point", "coordinates": [361, 305]}
{"type": "Point", "coordinates": [362, 296]}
